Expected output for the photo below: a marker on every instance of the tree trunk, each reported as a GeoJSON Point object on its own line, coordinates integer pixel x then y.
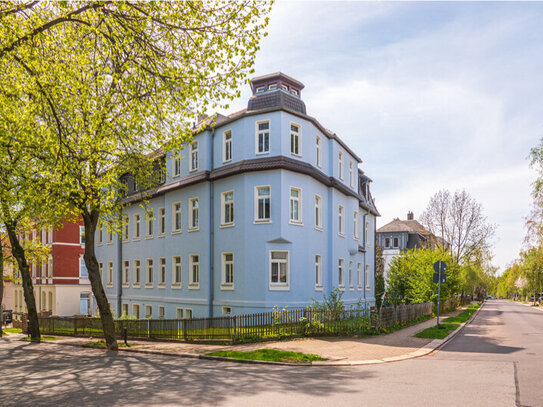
{"type": "Point", "coordinates": [1, 287]}
{"type": "Point", "coordinates": [19, 254]}
{"type": "Point", "coordinates": [108, 326]}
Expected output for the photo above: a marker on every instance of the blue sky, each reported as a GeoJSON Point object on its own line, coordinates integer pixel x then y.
{"type": "Point", "coordinates": [429, 95]}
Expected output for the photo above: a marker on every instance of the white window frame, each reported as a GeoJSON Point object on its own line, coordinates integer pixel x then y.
{"type": "Point", "coordinates": [176, 170]}
{"type": "Point", "coordinates": [260, 89]}
{"type": "Point", "coordinates": [50, 235]}
{"type": "Point", "coordinates": [272, 86]}
{"type": "Point", "coordinates": [257, 219]}
{"type": "Point", "coordinates": [161, 312]}
{"type": "Point", "coordinates": [279, 286]}
{"type": "Point", "coordinates": [136, 273]}
{"type": "Point", "coordinates": [351, 275]}
{"type": "Point", "coordinates": [124, 308]}
{"type": "Point", "coordinates": [341, 274]}
{"type": "Point", "coordinates": [176, 262]}
{"type": "Point", "coordinates": [161, 222]}
{"type": "Point", "coordinates": [100, 238]}
{"type": "Point", "coordinates": [126, 270]}
{"type": "Point", "coordinates": [395, 242]}
{"type": "Point", "coordinates": [340, 165]}
{"type": "Point", "coordinates": [367, 276]}
{"type": "Point", "coordinates": [351, 173]}
{"type": "Point", "coordinates": [135, 313]}
{"type": "Point", "coordinates": [81, 259]}
{"type": "Point", "coordinates": [176, 215]}
{"type": "Point", "coordinates": [341, 220]}
{"type": "Point", "coordinates": [297, 138]}
{"type": "Point", "coordinates": [126, 226]}
{"type": "Point", "coordinates": [194, 210]}
{"type": "Point", "coordinates": [137, 226]}
{"type": "Point", "coordinates": [318, 147]}
{"type": "Point", "coordinates": [318, 272]}
{"type": "Point", "coordinates": [194, 156]}
{"type": "Point", "coordinates": [162, 272]}
{"type": "Point", "coordinates": [148, 312]}
{"type": "Point", "coordinates": [318, 212]}
{"type": "Point", "coordinates": [359, 273]}
{"type": "Point", "coordinates": [257, 136]}
{"type": "Point", "coordinates": [193, 284]}
{"type": "Point", "coordinates": [224, 203]}
{"type": "Point", "coordinates": [179, 314]}
{"type": "Point", "coordinates": [81, 235]}
{"type": "Point", "coordinates": [101, 271]}
{"type": "Point", "coordinates": [356, 222]}
{"type": "Point", "coordinates": [149, 223]}
{"type": "Point", "coordinates": [367, 234]}
{"type": "Point", "coordinates": [227, 145]}
{"type": "Point", "coordinates": [149, 271]}
{"type": "Point", "coordinates": [292, 201]}
{"type": "Point", "coordinates": [109, 235]}
{"type": "Point", "coordinates": [225, 285]}
{"type": "Point", "coordinates": [188, 313]}
{"type": "Point", "coordinates": [226, 310]}
{"type": "Point", "coordinates": [109, 274]}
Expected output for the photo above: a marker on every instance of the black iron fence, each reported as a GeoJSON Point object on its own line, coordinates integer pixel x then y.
{"type": "Point", "coordinates": [296, 322]}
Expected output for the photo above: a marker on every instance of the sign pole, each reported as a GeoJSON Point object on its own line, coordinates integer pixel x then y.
{"type": "Point", "coordinates": [438, 294]}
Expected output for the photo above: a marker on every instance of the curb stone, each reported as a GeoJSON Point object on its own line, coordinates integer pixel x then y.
{"type": "Point", "coordinates": [425, 350]}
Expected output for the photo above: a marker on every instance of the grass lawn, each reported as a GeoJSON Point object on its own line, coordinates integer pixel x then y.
{"type": "Point", "coordinates": [43, 338]}
{"type": "Point", "coordinates": [450, 324]}
{"type": "Point", "coordinates": [272, 355]}
{"type": "Point", "coordinates": [102, 344]}
{"type": "Point", "coordinates": [13, 330]}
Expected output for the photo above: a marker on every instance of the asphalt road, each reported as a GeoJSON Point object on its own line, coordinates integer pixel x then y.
{"type": "Point", "coordinates": [495, 361]}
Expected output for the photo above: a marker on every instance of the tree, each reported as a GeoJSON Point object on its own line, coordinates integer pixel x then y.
{"type": "Point", "coordinates": [459, 221]}
{"type": "Point", "coordinates": [111, 85]}
{"type": "Point", "coordinates": [379, 276]}
{"type": "Point", "coordinates": [532, 267]}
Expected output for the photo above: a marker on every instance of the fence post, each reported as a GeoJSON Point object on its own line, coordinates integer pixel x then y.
{"type": "Point", "coordinates": [235, 333]}
{"type": "Point", "coordinates": [185, 329]}
{"type": "Point", "coordinates": [75, 326]}
{"type": "Point", "coordinates": [148, 328]}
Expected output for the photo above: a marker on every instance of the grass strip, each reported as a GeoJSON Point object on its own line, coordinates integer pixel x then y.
{"type": "Point", "coordinates": [271, 355]}
{"type": "Point", "coordinates": [13, 330]}
{"type": "Point", "coordinates": [102, 344]}
{"type": "Point", "coordinates": [449, 325]}
{"type": "Point", "coordinates": [43, 338]}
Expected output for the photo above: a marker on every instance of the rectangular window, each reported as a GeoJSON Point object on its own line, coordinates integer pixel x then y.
{"type": "Point", "coordinates": [227, 310]}
{"type": "Point", "coordinates": [50, 235]}
{"type": "Point", "coordinates": [318, 271]}
{"type": "Point", "coordinates": [43, 235]}
{"type": "Point", "coordinates": [148, 312]}
{"type": "Point", "coordinates": [161, 312]}
{"type": "Point", "coordinates": [351, 280]}
{"type": "Point", "coordinates": [176, 270]}
{"type": "Point", "coordinates": [176, 165]}
{"type": "Point", "coordinates": [340, 165]}
{"type": "Point", "coordinates": [340, 271]}
{"type": "Point", "coordinates": [149, 222]}
{"type": "Point", "coordinates": [161, 221]}
{"type": "Point", "coordinates": [295, 205]}
{"type": "Point", "coordinates": [227, 211]}
{"type": "Point", "coordinates": [396, 242]}
{"type": "Point", "coordinates": [149, 272]}
{"type": "Point", "coordinates": [359, 273]}
{"type": "Point", "coordinates": [50, 267]}
{"type": "Point", "coordinates": [179, 313]}
{"type": "Point", "coordinates": [83, 272]}
{"type": "Point", "coordinates": [109, 234]}
{"type": "Point", "coordinates": [295, 139]}
{"type": "Point", "coordinates": [136, 226]}
{"type": "Point", "coordinates": [125, 310]}
{"type": "Point", "coordinates": [367, 234]}
{"type": "Point", "coordinates": [126, 270]}
{"type": "Point", "coordinates": [367, 276]}
{"type": "Point", "coordinates": [318, 212]}
{"type": "Point", "coordinates": [263, 137]}
{"type": "Point", "coordinates": [188, 313]}
{"type": "Point", "coordinates": [176, 217]}
{"type": "Point", "coordinates": [126, 221]}
{"type": "Point", "coordinates": [227, 269]}
{"type": "Point", "coordinates": [351, 174]}
{"type": "Point", "coordinates": [387, 242]}
{"type": "Point", "coordinates": [260, 89]}
{"type": "Point", "coordinates": [109, 273]}
{"type": "Point", "coordinates": [137, 269]}
{"type": "Point", "coordinates": [262, 204]}
{"type": "Point", "coordinates": [162, 271]}
{"type": "Point", "coordinates": [273, 86]}
{"type": "Point", "coordinates": [136, 311]}
{"type": "Point", "coordinates": [194, 270]}
{"type": "Point", "coordinates": [279, 269]}
{"type": "Point", "coordinates": [194, 156]}
{"type": "Point", "coordinates": [341, 221]}
{"type": "Point", "coordinates": [284, 87]}
{"type": "Point", "coordinates": [193, 214]}
{"type": "Point", "coordinates": [355, 225]}
{"type": "Point", "coordinates": [81, 234]}
{"type": "Point", "coordinates": [318, 143]}
{"type": "Point", "coordinates": [227, 146]}
{"type": "Point", "coordinates": [98, 232]}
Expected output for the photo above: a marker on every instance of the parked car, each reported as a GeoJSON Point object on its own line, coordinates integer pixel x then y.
{"type": "Point", "coordinates": [488, 297]}
{"type": "Point", "coordinates": [8, 316]}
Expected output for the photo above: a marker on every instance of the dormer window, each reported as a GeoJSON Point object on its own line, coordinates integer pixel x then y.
{"type": "Point", "coordinates": [260, 89]}
{"type": "Point", "coordinates": [284, 87]}
{"type": "Point", "coordinates": [272, 86]}
{"type": "Point", "coordinates": [294, 92]}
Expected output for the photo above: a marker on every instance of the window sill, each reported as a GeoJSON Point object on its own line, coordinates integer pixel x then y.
{"type": "Point", "coordinates": [341, 288]}
{"type": "Point", "coordinates": [126, 240]}
{"type": "Point", "coordinates": [126, 286]}
{"type": "Point", "coordinates": [227, 287]}
{"type": "Point", "coordinates": [262, 222]}
{"type": "Point", "coordinates": [194, 229]}
{"type": "Point", "coordinates": [176, 232]}
{"type": "Point", "coordinates": [161, 285]}
{"type": "Point", "coordinates": [149, 285]}
{"type": "Point", "coordinates": [149, 237]}
{"type": "Point", "coordinates": [282, 287]}
{"type": "Point", "coordinates": [99, 244]}
{"type": "Point", "coordinates": [318, 288]}
{"type": "Point", "coordinates": [226, 225]}
{"type": "Point", "coordinates": [368, 288]}
{"type": "Point", "coordinates": [194, 286]}
{"type": "Point", "coordinates": [262, 153]}
{"type": "Point", "coordinates": [359, 288]}
{"type": "Point", "coordinates": [109, 286]}
{"type": "Point", "coordinates": [194, 169]}
{"type": "Point", "coordinates": [136, 239]}
{"type": "Point", "coordinates": [162, 235]}
{"type": "Point", "coordinates": [109, 243]}
{"type": "Point", "coordinates": [227, 161]}
{"type": "Point", "coordinates": [351, 288]}
{"type": "Point", "coordinates": [292, 222]}
{"type": "Point", "coordinates": [295, 155]}
{"type": "Point", "coordinates": [341, 235]}
{"type": "Point", "coordinates": [318, 228]}
{"type": "Point", "coordinates": [136, 286]}
{"type": "Point", "coordinates": [176, 286]}
{"type": "Point", "coordinates": [357, 239]}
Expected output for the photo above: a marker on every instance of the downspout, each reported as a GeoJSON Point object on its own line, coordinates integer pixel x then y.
{"type": "Point", "coordinates": [330, 208]}
{"type": "Point", "coordinates": [120, 268]}
{"type": "Point", "coordinates": [211, 230]}
{"type": "Point", "coordinates": [365, 254]}
{"type": "Point", "coordinates": [374, 257]}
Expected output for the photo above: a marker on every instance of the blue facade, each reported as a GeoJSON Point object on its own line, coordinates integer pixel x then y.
{"type": "Point", "coordinates": [276, 250]}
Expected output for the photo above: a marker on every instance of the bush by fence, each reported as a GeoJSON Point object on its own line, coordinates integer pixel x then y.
{"type": "Point", "coordinates": [278, 323]}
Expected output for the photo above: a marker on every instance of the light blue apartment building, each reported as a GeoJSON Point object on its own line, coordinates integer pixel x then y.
{"type": "Point", "coordinates": [265, 207]}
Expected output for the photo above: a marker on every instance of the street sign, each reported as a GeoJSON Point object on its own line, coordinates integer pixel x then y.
{"type": "Point", "coordinates": [440, 265]}
{"type": "Point", "coordinates": [443, 278]}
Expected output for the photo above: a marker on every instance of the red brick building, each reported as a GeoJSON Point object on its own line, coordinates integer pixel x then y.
{"type": "Point", "coordinates": [61, 283]}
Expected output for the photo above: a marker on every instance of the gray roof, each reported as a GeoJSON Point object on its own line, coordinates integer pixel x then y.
{"type": "Point", "coordinates": [409, 226]}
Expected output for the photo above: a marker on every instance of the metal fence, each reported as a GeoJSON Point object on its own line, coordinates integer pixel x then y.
{"type": "Point", "coordinates": [296, 322]}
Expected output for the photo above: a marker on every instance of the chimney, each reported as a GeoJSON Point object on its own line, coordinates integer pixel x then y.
{"type": "Point", "coordinates": [410, 215]}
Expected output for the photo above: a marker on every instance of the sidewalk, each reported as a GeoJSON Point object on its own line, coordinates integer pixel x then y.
{"type": "Point", "coordinates": [339, 351]}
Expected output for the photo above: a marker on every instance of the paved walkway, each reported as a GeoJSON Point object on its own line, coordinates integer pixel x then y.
{"type": "Point", "coordinates": [374, 348]}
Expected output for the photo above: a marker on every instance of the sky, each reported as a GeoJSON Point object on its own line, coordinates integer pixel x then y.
{"type": "Point", "coordinates": [430, 95]}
